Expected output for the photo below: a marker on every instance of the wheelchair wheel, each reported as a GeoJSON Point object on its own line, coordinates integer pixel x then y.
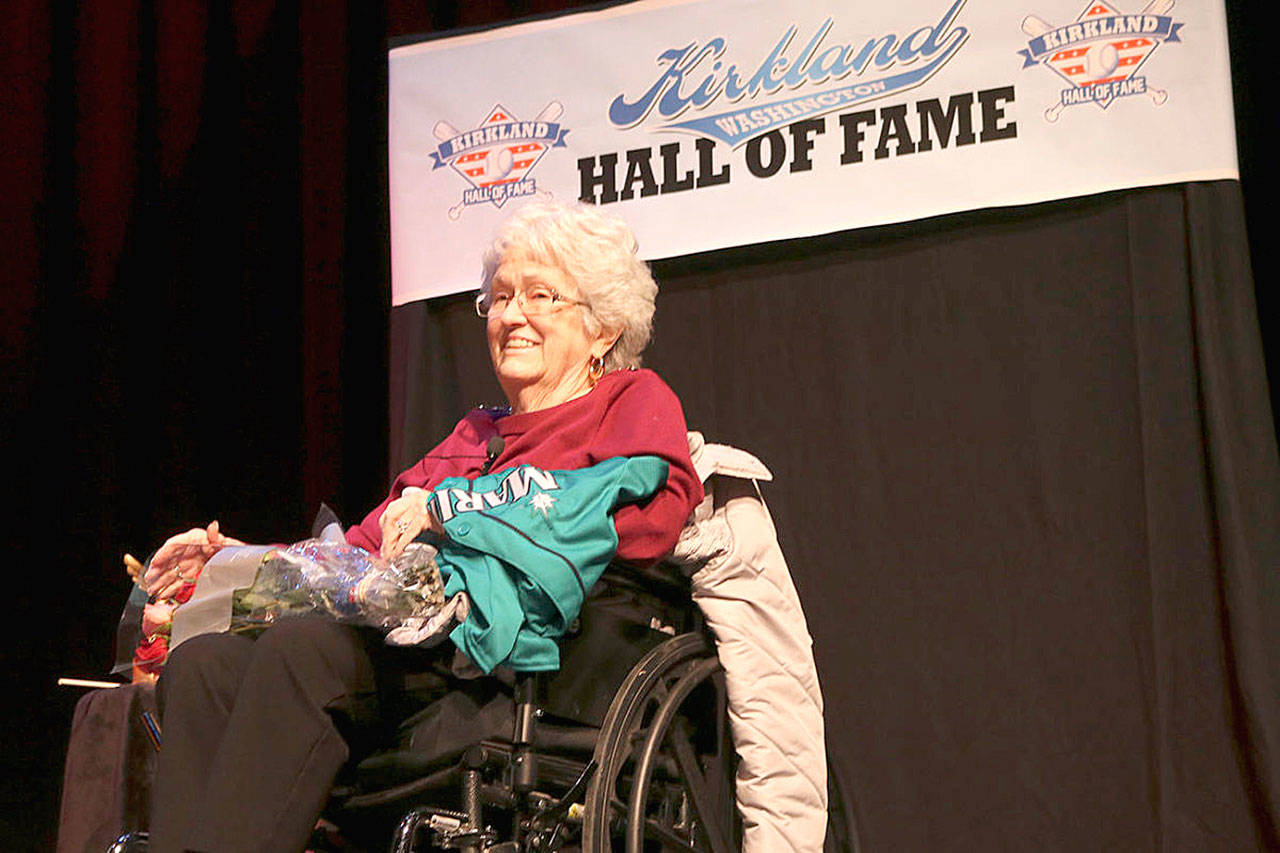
{"type": "Point", "coordinates": [666, 760]}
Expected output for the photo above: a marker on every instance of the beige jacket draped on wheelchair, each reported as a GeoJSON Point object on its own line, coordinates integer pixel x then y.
{"type": "Point", "coordinates": [744, 589]}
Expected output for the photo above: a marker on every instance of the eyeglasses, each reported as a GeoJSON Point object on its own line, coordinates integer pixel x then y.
{"type": "Point", "coordinates": [534, 302]}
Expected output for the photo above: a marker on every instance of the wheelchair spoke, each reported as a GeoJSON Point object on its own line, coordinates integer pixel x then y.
{"type": "Point", "coordinates": [617, 809]}
{"type": "Point", "coordinates": [655, 829]}
{"type": "Point", "coordinates": [696, 784]}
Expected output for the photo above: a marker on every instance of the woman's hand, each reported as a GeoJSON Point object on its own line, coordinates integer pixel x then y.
{"type": "Point", "coordinates": [404, 518]}
{"type": "Point", "coordinates": [180, 559]}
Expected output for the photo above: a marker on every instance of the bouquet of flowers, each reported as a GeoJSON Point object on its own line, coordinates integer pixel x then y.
{"type": "Point", "coordinates": [323, 576]}
{"type": "Point", "coordinates": [145, 625]}
{"type": "Point", "coordinates": [342, 581]}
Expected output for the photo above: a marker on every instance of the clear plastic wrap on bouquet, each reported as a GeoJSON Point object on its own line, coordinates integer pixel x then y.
{"type": "Point", "coordinates": [344, 582]}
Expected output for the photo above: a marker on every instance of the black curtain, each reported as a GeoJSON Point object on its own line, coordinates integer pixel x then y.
{"type": "Point", "coordinates": [1027, 482]}
{"type": "Point", "coordinates": [194, 325]}
{"type": "Point", "coordinates": [194, 314]}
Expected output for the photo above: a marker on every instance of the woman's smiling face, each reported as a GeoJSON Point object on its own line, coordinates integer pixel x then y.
{"type": "Point", "coordinates": [541, 359]}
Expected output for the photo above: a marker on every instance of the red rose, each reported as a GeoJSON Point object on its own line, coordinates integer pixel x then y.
{"type": "Point", "coordinates": [149, 657]}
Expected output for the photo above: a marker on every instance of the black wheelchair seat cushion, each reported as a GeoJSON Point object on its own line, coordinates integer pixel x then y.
{"type": "Point", "coordinates": [437, 735]}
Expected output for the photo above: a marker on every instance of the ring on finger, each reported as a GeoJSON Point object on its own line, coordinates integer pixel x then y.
{"type": "Point", "coordinates": [402, 525]}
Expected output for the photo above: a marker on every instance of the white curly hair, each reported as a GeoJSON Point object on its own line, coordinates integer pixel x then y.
{"type": "Point", "coordinates": [598, 252]}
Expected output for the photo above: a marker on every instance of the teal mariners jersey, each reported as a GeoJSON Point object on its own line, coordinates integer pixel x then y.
{"type": "Point", "coordinates": [526, 545]}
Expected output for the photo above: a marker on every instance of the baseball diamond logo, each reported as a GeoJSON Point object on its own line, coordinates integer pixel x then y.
{"type": "Point", "coordinates": [1100, 54]}
{"type": "Point", "coordinates": [496, 157]}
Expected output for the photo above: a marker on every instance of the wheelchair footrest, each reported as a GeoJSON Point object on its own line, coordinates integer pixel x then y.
{"type": "Point", "coordinates": [450, 830]}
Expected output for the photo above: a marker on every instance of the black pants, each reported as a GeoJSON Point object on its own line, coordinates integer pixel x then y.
{"type": "Point", "coordinates": [256, 731]}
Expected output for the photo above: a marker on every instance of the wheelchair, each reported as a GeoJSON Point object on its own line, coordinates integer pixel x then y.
{"type": "Point", "coordinates": [627, 746]}
{"type": "Point", "coordinates": [648, 766]}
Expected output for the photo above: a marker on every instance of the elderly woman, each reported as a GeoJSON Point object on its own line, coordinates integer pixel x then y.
{"type": "Point", "coordinates": [256, 731]}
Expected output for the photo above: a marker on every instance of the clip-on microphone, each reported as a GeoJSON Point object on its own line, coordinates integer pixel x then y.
{"type": "Point", "coordinates": [492, 451]}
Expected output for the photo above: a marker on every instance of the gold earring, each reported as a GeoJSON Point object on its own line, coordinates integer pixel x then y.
{"type": "Point", "coordinates": [595, 369]}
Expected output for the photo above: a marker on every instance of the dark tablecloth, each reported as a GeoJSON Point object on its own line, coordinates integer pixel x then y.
{"type": "Point", "coordinates": [106, 785]}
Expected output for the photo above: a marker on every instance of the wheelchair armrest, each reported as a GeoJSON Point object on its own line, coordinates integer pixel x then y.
{"type": "Point", "coordinates": [663, 585]}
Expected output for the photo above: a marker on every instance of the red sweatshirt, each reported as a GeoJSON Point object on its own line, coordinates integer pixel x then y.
{"type": "Point", "coordinates": [630, 412]}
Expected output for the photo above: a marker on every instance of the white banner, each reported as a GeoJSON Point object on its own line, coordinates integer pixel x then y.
{"type": "Point", "coordinates": [714, 123]}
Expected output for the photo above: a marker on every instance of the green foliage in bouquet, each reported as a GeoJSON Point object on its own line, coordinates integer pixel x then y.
{"type": "Point", "coordinates": [342, 581]}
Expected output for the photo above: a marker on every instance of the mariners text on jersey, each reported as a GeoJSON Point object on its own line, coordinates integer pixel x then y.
{"type": "Point", "coordinates": [449, 502]}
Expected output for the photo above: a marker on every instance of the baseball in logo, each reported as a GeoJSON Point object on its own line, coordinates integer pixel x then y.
{"type": "Point", "coordinates": [1100, 53]}
{"type": "Point", "coordinates": [496, 157]}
